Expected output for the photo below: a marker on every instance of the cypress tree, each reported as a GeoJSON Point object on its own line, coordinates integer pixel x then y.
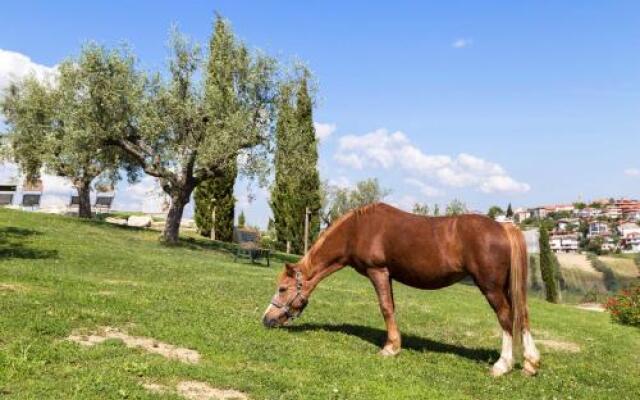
{"type": "Point", "coordinates": [548, 267]}
{"type": "Point", "coordinates": [297, 182]}
{"type": "Point", "coordinates": [509, 213]}
{"type": "Point", "coordinates": [308, 185]}
{"type": "Point", "coordinates": [280, 193]}
{"type": "Point", "coordinates": [241, 220]}
{"type": "Point", "coordinates": [215, 196]}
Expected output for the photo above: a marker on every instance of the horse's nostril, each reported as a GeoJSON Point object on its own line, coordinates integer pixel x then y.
{"type": "Point", "coordinates": [268, 322]}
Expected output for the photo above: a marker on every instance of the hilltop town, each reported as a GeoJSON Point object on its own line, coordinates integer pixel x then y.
{"type": "Point", "coordinates": [601, 226]}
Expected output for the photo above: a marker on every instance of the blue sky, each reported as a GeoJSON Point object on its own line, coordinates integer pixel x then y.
{"type": "Point", "coordinates": [541, 99]}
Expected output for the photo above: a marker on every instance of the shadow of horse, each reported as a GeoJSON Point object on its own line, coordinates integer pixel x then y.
{"type": "Point", "coordinates": [378, 336]}
{"type": "Point", "coordinates": [12, 244]}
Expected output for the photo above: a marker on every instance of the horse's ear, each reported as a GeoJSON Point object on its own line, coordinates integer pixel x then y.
{"type": "Point", "coordinates": [290, 268]}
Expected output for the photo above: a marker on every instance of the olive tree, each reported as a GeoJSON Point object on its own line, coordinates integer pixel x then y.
{"type": "Point", "coordinates": [184, 130]}
{"type": "Point", "coordinates": [58, 125]}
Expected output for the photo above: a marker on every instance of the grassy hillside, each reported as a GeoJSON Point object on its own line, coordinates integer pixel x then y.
{"type": "Point", "coordinates": [59, 275]}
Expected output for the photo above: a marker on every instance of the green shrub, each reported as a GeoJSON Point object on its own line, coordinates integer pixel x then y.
{"type": "Point", "coordinates": [625, 306]}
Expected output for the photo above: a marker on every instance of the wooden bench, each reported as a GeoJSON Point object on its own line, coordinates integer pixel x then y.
{"type": "Point", "coordinates": [103, 202]}
{"type": "Point", "coordinates": [6, 194]}
{"type": "Point", "coordinates": [248, 246]}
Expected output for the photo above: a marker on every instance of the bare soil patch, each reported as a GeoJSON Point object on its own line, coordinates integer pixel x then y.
{"type": "Point", "coordinates": [559, 345]}
{"type": "Point", "coordinates": [155, 388]}
{"type": "Point", "coordinates": [194, 390]}
{"type": "Point", "coordinates": [10, 287]}
{"type": "Point", "coordinates": [120, 282]}
{"type": "Point", "coordinates": [149, 344]}
{"type": "Point", "coordinates": [591, 307]}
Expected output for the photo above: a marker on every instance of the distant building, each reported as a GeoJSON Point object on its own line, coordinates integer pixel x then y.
{"type": "Point", "coordinates": [631, 243]}
{"type": "Point", "coordinates": [521, 214]}
{"type": "Point", "coordinates": [628, 228]}
{"type": "Point", "coordinates": [612, 212]}
{"type": "Point", "coordinates": [633, 215]}
{"type": "Point", "coordinates": [598, 228]}
{"type": "Point", "coordinates": [538, 212]}
{"type": "Point", "coordinates": [587, 213]}
{"type": "Point", "coordinates": [564, 242]}
{"type": "Point", "coordinates": [504, 219]}
{"type": "Point", "coordinates": [567, 224]}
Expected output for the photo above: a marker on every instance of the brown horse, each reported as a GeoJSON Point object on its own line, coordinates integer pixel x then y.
{"type": "Point", "coordinates": [386, 244]}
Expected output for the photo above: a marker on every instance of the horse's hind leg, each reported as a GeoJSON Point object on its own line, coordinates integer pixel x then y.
{"type": "Point", "coordinates": [531, 354]}
{"type": "Point", "coordinates": [382, 283]}
{"type": "Point", "coordinates": [499, 302]}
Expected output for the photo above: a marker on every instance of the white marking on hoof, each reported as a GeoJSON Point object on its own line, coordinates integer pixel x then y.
{"type": "Point", "coordinates": [505, 363]}
{"type": "Point", "coordinates": [501, 367]}
{"type": "Point", "coordinates": [530, 351]}
{"type": "Point", "coordinates": [388, 352]}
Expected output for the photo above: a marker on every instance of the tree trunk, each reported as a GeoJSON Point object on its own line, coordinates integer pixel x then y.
{"type": "Point", "coordinates": [84, 199]}
{"type": "Point", "coordinates": [172, 224]}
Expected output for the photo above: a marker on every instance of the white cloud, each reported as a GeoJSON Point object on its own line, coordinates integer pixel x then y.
{"type": "Point", "coordinates": [324, 130]}
{"type": "Point", "coordinates": [461, 43]}
{"type": "Point", "coordinates": [405, 202]}
{"type": "Point", "coordinates": [426, 190]}
{"type": "Point", "coordinates": [341, 182]}
{"type": "Point", "coordinates": [15, 66]}
{"type": "Point", "coordinates": [632, 172]}
{"type": "Point", "coordinates": [388, 150]}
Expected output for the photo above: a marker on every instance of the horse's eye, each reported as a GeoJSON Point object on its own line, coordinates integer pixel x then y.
{"type": "Point", "coordinates": [282, 289]}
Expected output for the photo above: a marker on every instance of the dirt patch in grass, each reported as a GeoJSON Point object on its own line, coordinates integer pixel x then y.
{"type": "Point", "coordinates": [149, 344]}
{"type": "Point", "coordinates": [194, 390]}
{"type": "Point", "coordinates": [591, 307]}
{"type": "Point", "coordinates": [559, 345]}
{"type": "Point", "coordinates": [10, 287]}
{"type": "Point", "coordinates": [155, 388]}
{"type": "Point", "coordinates": [120, 282]}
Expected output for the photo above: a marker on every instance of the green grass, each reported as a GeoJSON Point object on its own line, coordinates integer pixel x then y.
{"type": "Point", "coordinates": [68, 274]}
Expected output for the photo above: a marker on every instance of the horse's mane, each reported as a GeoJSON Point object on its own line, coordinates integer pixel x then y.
{"type": "Point", "coordinates": [356, 212]}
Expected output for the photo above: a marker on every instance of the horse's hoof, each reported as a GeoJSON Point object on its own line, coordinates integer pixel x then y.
{"type": "Point", "coordinates": [388, 352]}
{"type": "Point", "coordinates": [500, 368]}
{"type": "Point", "coordinates": [530, 368]}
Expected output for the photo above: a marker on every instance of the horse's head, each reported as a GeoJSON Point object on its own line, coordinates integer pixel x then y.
{"type": "Point", "coordinates": [290, 298]}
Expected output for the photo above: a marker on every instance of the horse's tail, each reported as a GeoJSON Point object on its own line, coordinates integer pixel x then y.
{"type": "Point", "coordinates": [518, 282]}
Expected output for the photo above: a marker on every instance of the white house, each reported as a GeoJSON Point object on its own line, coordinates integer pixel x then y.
{"type": "Point", "coordinates": [628, 228]}
{"type": "Point", "coordinates": [613, 212]}
{"type": "Point", "coordinates": [631, 243]}
{"type": "Point", "coordinates": [633, 215]}
{"type": "Point", "coordinates": [598, 228]}
{"type": "Point", "coordinates": [520, 214]}
{"type": "Point", "coordinates": [564, 242]}
{"type": "Point", "coordinates": [587, 212]}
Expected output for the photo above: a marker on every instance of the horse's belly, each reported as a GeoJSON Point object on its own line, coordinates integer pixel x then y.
{"type": "Point", "coordinates": [428, 279]}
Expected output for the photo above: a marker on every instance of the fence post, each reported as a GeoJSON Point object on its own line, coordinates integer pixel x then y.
{"type": "Point", "coordinates": [306, 229]}
{"type": "Point", "coordinates": [213, 223]}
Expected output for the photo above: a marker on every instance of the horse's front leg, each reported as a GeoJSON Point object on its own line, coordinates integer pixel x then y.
{"type": "Point", "coordinates": [382, 283]}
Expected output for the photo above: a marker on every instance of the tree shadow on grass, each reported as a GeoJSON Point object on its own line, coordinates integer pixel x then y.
{"type": "Point", "coordinates": [12, 244]}
{"type": "Point", "coordinates": [412, 342]}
